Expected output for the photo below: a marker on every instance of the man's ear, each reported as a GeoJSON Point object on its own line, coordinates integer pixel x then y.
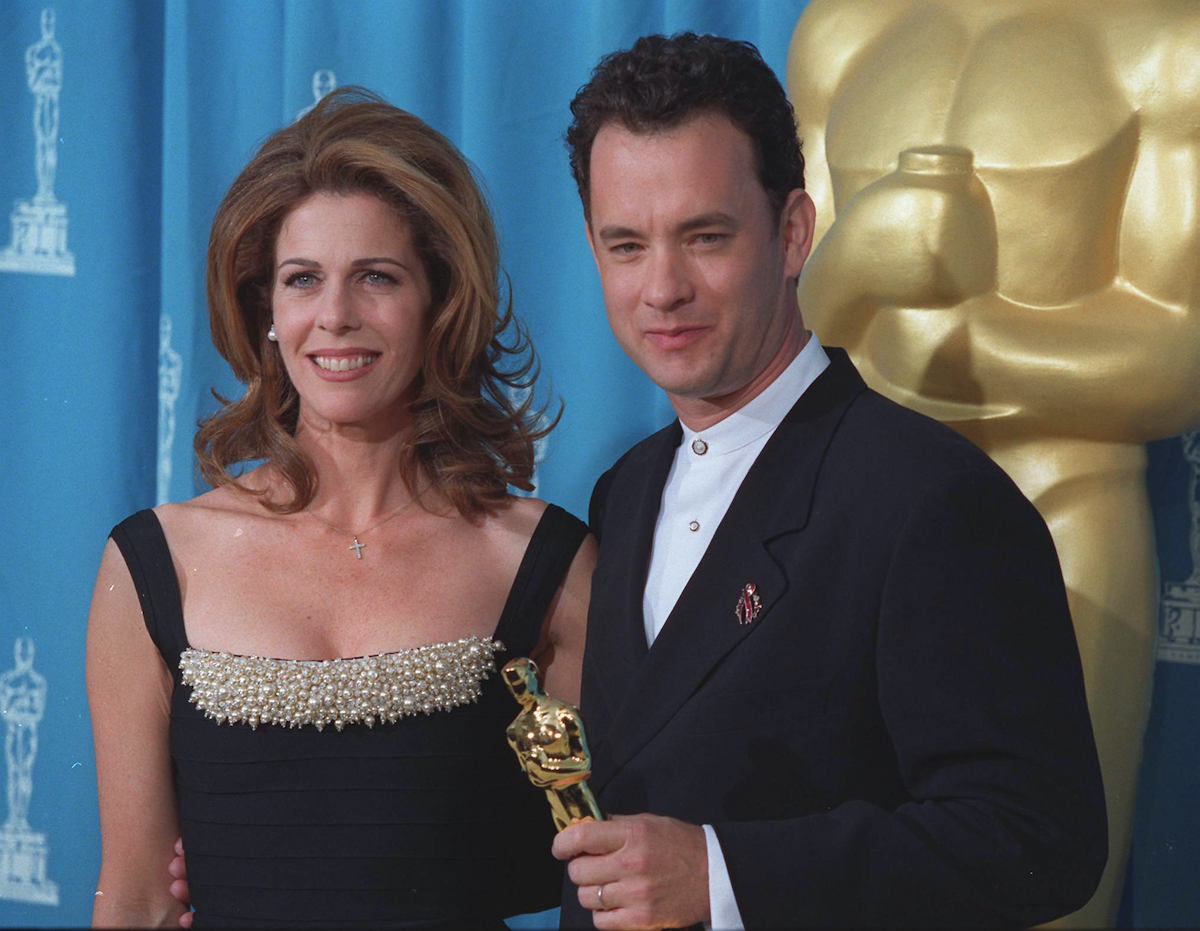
{"type": "Point", "coordinates": [797, 221]}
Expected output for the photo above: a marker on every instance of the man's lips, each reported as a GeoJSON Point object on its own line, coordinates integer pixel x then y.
{"type": "Point", "coordinates": [677, 337]}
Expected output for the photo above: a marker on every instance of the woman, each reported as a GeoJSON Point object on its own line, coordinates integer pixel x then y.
{"type": "Point", "coordinates": [352, 282]}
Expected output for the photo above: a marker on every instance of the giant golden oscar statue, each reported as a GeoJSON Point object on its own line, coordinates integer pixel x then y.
{"type": "Point", "coordinates": [1016, 252]}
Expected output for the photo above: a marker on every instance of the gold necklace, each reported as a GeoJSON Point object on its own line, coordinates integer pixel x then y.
{"type": "Point", "coordinates": [356, 546]}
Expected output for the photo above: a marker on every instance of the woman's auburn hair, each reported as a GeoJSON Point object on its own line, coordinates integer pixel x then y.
{"type": "Point", "coordinates": [467, 434]}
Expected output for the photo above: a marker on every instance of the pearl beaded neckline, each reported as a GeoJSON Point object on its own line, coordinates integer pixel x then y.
{"type": "Point", "coordinates": [368, 689]}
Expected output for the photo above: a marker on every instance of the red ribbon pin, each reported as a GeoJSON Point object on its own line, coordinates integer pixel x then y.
{"type": "Point", "coordinates": [748, 604]}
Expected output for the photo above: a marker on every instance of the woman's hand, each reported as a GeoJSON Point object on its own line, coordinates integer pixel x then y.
{"type": "Point", "coordinates": [179, 888]}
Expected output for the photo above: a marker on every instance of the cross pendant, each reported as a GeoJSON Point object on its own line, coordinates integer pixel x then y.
{"type": "Point", "coordinates": [357, 547]}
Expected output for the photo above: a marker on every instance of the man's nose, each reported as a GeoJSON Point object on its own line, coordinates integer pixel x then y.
{"type": "Point", "coordinates": [668, 284]}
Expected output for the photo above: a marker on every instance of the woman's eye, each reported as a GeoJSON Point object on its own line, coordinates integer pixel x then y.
{"type": "Point", "coordinates": [378, 277]}
{"type": "Point", "coordinates": [300, 280]}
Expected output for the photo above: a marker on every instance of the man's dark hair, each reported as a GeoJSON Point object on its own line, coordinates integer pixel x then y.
{"type": "Point", "coordinates": [664, 81]}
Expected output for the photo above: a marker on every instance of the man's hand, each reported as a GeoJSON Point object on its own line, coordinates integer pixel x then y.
{"type": "Point", "coordinates": [179, 888]}
{"type": "Point", "coordinates": [639, 871]}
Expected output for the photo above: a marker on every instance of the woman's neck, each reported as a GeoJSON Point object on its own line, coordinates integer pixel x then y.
{"type": "Point", "coordinates": [358, 470]}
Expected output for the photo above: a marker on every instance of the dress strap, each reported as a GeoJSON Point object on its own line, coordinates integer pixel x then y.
{"type": "Point", "coordinates": [551, 549]}
{"type": "Point", "coordinates": [141, 541]}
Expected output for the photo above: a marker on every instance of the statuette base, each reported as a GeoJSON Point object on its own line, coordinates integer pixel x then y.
{"type": "Point", "coordinates": [23, 857]}
{"type": "Point", "coordinates": [39, 240]}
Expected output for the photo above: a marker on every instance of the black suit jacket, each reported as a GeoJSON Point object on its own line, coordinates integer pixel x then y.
{"type": "Point", "coordinates": [901, 736]}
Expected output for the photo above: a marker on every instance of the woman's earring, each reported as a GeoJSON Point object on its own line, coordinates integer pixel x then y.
{"type": "Point", "coordinates": [271, 334]}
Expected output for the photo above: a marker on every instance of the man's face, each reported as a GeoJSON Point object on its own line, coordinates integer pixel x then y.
{"type": "Point", "coordinates": [694, 263]}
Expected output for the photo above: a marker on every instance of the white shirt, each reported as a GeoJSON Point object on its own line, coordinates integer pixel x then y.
{"type": "Point", "coordinates": [708, 469]}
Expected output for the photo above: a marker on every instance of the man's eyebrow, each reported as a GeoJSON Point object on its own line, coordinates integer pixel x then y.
{"type": "Point", "coordinates": [701, 221]}
{"type": "Point", "coordinates": [610, 233]}
{"type": "Point", "coordinates": [714, 218]}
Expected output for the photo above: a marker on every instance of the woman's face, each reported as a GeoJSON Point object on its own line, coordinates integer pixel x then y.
{"type": "Point", "coordinates": [351, 309]}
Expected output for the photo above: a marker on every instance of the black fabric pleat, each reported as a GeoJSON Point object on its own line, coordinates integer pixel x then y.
{"type": "Point", "coordinates": [425, 823]}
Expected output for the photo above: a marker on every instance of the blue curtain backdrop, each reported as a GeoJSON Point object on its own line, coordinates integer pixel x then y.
{"type": "Point", "coordinates": [151, 109]}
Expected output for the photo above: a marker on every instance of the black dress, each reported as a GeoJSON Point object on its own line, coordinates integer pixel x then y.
{"type": "Point", "coordinates": [423, 822]}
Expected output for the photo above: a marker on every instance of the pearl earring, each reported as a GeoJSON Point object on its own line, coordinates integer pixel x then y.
{"type": "Point", "coordinates": [271, 334]}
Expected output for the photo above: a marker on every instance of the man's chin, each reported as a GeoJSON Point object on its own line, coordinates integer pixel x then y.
{"type": "Point", "coordinates": [688, 379]}
{"type": "Point", "coordinates": [681, 385]}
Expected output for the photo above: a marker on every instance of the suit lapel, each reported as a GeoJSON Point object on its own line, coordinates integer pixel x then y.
{"type": "Point", "coordinates": [616, 642]}
{"type": "Point", "coordinates": [774, 499]}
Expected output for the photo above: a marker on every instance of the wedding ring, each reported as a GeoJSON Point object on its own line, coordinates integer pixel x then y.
{"type": "Point", "coordinates": [600, 898]}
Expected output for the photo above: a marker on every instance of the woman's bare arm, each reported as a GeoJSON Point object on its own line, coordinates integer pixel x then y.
{"type": "Point", "coordinates": [129, 693]}
{"type": "Point", "coordinates": [559, 653]}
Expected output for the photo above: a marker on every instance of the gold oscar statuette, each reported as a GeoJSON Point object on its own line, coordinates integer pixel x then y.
{"type": "Point", "coordinates": [1007, 237]}
{"type": "Point", "coordinates": [548, 739]}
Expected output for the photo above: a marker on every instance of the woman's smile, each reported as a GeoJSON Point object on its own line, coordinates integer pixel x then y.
{"type": "Point", "coordinates": [344, 365]}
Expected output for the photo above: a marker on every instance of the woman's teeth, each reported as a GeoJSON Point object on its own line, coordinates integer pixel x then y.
{"type": "Point", "coordinates": [344, 363]}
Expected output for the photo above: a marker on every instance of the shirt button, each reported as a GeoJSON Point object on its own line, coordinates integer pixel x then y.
{"type": "Point", "coordinates": [699, 447]}
{"type": "Point", "coordinates": [693, 525]}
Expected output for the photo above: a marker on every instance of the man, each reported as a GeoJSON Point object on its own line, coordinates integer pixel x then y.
{"type": "Point", "coordinates": [830, 675]}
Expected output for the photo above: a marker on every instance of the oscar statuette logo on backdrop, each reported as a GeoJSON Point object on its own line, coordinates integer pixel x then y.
{"type": "Point", "coordinates": [170, 377]}
{"type": "Point", "coordinates": [39, 225]}
{"type": "Point", "coordinates": [23, 851]}
{"type": "Point", "coordinates": [323, 82]}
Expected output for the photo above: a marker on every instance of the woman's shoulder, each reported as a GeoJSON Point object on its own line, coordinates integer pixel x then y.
{"type": "Point", "coordinates": [199, 518]}
{"type": "Point", "coordinates": [513, 525]}
{"type": "Point", "coordinates": [520, 515]}
{"type": "Point", "coordinates": [520, 518]}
